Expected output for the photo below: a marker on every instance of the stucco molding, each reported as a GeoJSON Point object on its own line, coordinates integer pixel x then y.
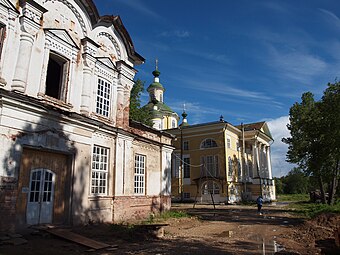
{"type": "Point", "coordinates": [114, 42]}
{"type": "Point", "coordinates": [75, 12]}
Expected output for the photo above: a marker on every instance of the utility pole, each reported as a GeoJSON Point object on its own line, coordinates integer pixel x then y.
{"type": "Point", "coordinates": [182, 167]}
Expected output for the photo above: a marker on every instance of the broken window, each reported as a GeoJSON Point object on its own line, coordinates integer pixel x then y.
{"type": "Point", "coordinates": [57, 72]}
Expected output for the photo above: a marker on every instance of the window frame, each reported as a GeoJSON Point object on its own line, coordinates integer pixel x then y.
{"type": "Point", "coordinates": [139, 175]}
{"type": "Point", "coordinates": [228, 142]}
{"type": "Point", "coordinates": [186, 145]}
{"type": "Point", "coordinates": [214, 164]}
{"type": "Point", "coordinates": [103, 102]}
{"type": "Point", "coordinates": [208, 143]}
{"type": "Point", "coordinates": [100, 166]}
{"type": "Point", "coordinates": [64, 64]}
{"type": "Point", "coordinates": [186, 167]}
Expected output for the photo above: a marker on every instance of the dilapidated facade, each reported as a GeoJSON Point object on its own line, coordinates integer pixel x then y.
{"type": "Point", "coordinates": [68, 151]}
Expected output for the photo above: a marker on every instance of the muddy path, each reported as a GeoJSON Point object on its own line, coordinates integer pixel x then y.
{"type": "Point", "coordinates": [226, 229]}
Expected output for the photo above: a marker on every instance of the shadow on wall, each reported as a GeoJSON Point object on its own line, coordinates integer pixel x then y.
{"type": "Point", "coordinates": [40, 171]}
{"type": "Point", "coordinates": [163, 201]}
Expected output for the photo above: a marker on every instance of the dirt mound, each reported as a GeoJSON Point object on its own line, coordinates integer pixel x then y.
{"type": "Point", "coordinates": [317, 234]}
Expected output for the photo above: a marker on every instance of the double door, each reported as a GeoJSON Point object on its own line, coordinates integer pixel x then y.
{"type": "Point", "coordinates": [40, 197]}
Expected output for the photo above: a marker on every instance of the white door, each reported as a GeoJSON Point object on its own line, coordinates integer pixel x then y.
{"type": "Point", "coordinates": [40, 197]}
{"type": "Point", "coordinates": [210, 191]}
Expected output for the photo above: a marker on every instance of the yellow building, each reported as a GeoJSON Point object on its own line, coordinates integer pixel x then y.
{"type": "Point", "coordinates": [222, 163]}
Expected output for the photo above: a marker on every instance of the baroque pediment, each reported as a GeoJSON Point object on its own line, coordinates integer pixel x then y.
{"type": "Point", "coordinates": [62, 35]}
{"type": "Point", "coordinates": [107, 62]}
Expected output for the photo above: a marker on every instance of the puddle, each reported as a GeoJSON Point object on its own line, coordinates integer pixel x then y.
{"type": "Point", "coordinates": [268, 247]}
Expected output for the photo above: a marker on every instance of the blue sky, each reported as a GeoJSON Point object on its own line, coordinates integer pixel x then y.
{"type": "Point", "coordinates": [246, 60]}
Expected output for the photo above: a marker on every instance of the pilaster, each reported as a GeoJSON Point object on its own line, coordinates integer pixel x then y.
{"type": "Point", "coordinates": [90, 48]}
{"type": "Point", "coordinates": [30, 23]}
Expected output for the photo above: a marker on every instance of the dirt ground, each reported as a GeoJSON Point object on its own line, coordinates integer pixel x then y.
{"type": "Point", "coordinates": [228, 229]}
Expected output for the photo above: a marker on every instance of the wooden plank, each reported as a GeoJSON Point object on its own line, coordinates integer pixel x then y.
{"type": "Point", "coordinates": [67, 234]}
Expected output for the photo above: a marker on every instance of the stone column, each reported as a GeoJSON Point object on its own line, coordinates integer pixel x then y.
{"type": "Point", "coordinates": [126, 75]}
{"type": "Point", "coordinates": [30, 22]}
{"type": "Point", "coordinates": [166, 170]}
{"type": "Point", "coordinates": [11, 17]}
{"type": "Point", "coordinates": [258, 167]}
{"type": "Point", "coordinates": [126, 109]}
{"type": "Point", "coordinates": [90, 48]}
{"type": "Point", "coordinates": [42, 88]}
{"type": "Point", "coordinates": [269, 163]}
{"type": "Point", "coordinates": [124, 161]}
{"type": "Point", "coordinates": [120, 105]}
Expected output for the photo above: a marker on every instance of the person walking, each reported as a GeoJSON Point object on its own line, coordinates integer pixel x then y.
{"type": "Point", "coordinates": [259, 202]}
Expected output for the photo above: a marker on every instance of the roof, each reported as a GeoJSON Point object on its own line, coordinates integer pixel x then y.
{"type": "Point", "coordinates": [161, 108]}
{"type": "Point", "coordinates": [92, 10]}
{"type": "Point", "coordinates": [205, 124]}
{"type": "Point", "coordinates": [155, 85]}
{"type": "Point", "coordinates": [260, 126]}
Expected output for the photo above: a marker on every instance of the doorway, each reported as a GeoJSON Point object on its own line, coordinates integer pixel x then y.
{"type": "Point", "coordinates": [40, 197]}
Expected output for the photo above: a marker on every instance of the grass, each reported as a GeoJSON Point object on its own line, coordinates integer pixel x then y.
{"type": "Point", "coordinates": [311, 210]}
{"type": "Point", "coordinates": [300, 204]}
{"type": "Point", "coordinates": [165, 215]}
{"type": "Point", "coordinates": [292, 197]}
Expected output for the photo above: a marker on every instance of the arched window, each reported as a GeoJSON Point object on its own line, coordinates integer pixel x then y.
{"type": "Point", "coordinates": [208, 143]}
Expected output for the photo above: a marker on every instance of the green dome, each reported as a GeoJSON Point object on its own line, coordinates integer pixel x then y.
{"type": "Point", "coordinates": [155, 85]}
{"type": "Point", "coordinates": [161, 108]}
{"type": "Point", "coordinates": [156, 73]}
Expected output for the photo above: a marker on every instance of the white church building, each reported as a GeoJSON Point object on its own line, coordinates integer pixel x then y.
{"type": "Point", "coordinates": [69, 153]}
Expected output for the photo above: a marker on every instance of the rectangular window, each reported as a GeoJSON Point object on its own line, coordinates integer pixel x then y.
{"type": "Point", "coordinates": [210, 166]}
{"type": "Point", "coordinates": [186, 145]}
{"type": "Point", "coordinates": [186, 167]}
{"type": "Point", "coordinates": [228, 143]}
{"type": "Point", "coordinates": [57, 76]}
{"type": "Point", "coordinates": [186, 195]}
{"type": "Point", "coordinates": [139, 183]}
{"type": "Point", "coordinates": [103, 98]}
{"type": "Point", "coordinates": [100, 167]}
{"type": "Point", "coordinates": [175, 165]}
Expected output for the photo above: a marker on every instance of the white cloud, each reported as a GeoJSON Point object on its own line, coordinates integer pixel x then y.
{"type": "Point", "coordinates": [175, 33]}
{"type": "Point", "coordinates": [296, 65]}
{"type": "Point", "coordinates": [140, 7]}
{"type": "Point", "coordinates": [278, 129]}
{"type": "Point", "coordinates": [333, 19]}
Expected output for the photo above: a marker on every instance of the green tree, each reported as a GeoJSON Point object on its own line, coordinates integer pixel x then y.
{"type": "Point", "coordinates": [138, 113]}
{"type": "Point", "coordinates": [330, 109]}
{"type": "Point", "coordinates": [278, 185]}
{"type": "Point", "coordinates": [296, 182]}
{"type": "Point", "coordinates": [314, 142]}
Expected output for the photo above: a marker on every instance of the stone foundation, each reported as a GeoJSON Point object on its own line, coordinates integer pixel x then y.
{"type": "Point", "coordinates": [8, 197]}
{"type": "Point", "coordinates": [133, 209]}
